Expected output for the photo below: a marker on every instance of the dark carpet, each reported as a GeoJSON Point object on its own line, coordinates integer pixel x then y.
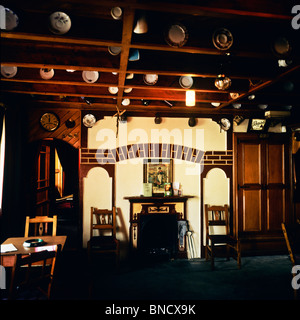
{"type": "Point", "coordinates": [260, 278]}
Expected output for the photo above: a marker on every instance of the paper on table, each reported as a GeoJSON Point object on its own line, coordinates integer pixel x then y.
{"type": "Point", "coordinates": [7, 247]}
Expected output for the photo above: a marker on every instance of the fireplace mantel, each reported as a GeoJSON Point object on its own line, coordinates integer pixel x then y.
{"type": "Point", "coordinates": [139, 205]}
{"type": "Point", "coordinates": [141, 199]}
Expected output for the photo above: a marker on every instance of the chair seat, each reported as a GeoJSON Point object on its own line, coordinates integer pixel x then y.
{"type": "Point", "coordinates": [103, 242]}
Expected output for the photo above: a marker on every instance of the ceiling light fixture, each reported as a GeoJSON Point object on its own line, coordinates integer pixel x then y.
{"type": "Point", "coordinates": [237, 105]}
{"type": "Point", "coordinates": [284, 63]}
{"type": "Point", "coordinates": [215, 104]}
{"type": "Point", "coordinates": [190, 98]}
{"type": "Point", "coordinates": [141, 25]}
{"type": "Point", "coordinates": [222, 82]}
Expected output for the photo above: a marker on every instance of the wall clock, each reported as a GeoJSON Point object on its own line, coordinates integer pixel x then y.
{"type": "Point", "coordinates": [49, 121]}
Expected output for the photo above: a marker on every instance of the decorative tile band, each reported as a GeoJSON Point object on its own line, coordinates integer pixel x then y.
{"type": "Point", "coordinates": [155, 150]}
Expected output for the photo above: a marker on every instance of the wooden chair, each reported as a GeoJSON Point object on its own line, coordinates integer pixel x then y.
{"type": "Point", "coordinates": [292, 238]}
{"type": "Point", "coordinates": [24, 280]}
{"type": "Point", "coordinates": [105, 242]}
{"type": "Point", "coordinates": [216, 216]}
{"type": "Point", "coordinates": [41, 225]}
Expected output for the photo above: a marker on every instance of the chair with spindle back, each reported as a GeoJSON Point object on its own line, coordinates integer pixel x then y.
{"type": "Point", "coordinates": [217, 216]}
{"type": "Point", "coordinates": [41, 225]}
{"type": "Point", "coordinates": [103, 221]}
{"type": "Point", "coordinates": [25, 280]}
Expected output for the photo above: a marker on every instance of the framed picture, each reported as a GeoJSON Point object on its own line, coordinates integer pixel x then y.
{"type": "Point", "coordinates": [158, 172]}
{"type": "Point", "coordinates": [257, 125]}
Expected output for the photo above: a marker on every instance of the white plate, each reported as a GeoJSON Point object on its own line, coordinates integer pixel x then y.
{"type": "Point", "coordinates": [129, 76]}
{"type": "Point", "coordinates": [114, 50]}
{"type": "Point", "coordinates": [126, 102]}
{"type": "Point", "coordinates": [46, 74]}
{"type": "Point", "coordinates": [90, 76]}
{"type": "Point", "coordinates": [176, 35]}
{"type": "Point", "coordinates": [89, 120]}
{"type": "Point", "coordinates": [281, 46]}
{"type": "Point", "coordinates": [127, 90]}
{"type": "Point", "coordinates": [150, 79]}
{"type": "Point", "coordinates": [116, 13]}
{"type": "Point", "coordinates": [222, 39]}
{"type": "Point", "coordinates": [11, 20]}
{"type": "Point", "coordinates": [59, 22]}
{"type": "Point", "coordinates": [9, 71]}
{"type": "Point", "coordinates": [234, 95]}
{"type": "Point", "coordinates": [185, 82]}
{"type": "Point", "coordinates": [113, 90]}
{"type": "Point", "coordinates": [225, 124]}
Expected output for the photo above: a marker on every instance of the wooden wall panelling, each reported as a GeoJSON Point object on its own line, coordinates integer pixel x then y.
{"type": "Point", "coordinates": [69, 135]}
{"type": "Point", "coordinates": [276, 186]}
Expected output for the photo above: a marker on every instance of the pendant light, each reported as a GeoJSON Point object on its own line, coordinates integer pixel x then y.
{"type": "Point", "coordinates": [190, 98]}
{"type": "Point", "coordinates": [222, 82]}
{"type": "Point", "coordinates": [141, 25]}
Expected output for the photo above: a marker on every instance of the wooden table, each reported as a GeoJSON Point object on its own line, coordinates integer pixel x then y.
{"type": "Point", "coordinates": [8, 258]}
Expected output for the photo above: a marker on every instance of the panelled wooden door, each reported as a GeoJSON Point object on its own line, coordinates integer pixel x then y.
{"type": "Point", "coordinates": [262, 171]}
{"type": "Point", "coordinates": [43, 181]}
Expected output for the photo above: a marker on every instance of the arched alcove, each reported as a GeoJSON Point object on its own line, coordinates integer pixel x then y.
{"type": "Point", "coordinates": [97, 192]}
{"type": "Point", "coordinates": [216, 191]}
{"type": "Point", "coordinates": [216, 187]}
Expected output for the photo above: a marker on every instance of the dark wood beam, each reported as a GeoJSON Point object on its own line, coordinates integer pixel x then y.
{"type": "Point", "coordinates": [260, 87]}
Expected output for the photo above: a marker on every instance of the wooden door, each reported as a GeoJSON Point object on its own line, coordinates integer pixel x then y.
{"type": "Point", "coordinates": [276, 185]}
{"type": "Point", "coordinates": [43, 181]}
{"type": "Point", "coordinates": [250, 185]}
{"type": "Point", "coordinates": [262, 185]}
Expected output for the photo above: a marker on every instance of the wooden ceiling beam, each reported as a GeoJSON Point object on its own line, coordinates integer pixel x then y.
{"type": "Point", "coordinates": [58, 39]}
{"type": "Point", "coordinates": [266, 9]}
{"type": "Point", "coordinates": [261, 86]}
{"type": "Point", "coordinates": [128, 20]}
{"type": "Point", "coordinates": [80, 42]}
{"type": "Point", "coordinates": [140, 110]}
{"type": "Point", "coordinates": [59, 66]}
{"type": "Point", "coordinates": [161, 95]}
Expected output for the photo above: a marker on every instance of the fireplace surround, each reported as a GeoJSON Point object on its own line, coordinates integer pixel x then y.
{"type": "Point", "coordinates": [154, 225]}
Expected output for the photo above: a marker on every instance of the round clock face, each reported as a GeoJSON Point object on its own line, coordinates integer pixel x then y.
{"type": "Point", "coordinates": [49, 121]}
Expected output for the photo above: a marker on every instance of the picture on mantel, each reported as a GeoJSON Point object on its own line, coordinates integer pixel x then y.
{"type": "Point", "coordinates": [158, 172]}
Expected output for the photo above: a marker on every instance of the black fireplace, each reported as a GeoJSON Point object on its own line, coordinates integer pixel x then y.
{"type": "Point", "coordinates": [158, 235]}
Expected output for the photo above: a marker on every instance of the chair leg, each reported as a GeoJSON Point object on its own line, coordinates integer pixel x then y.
{"type": "Point", "coordinates": [89, 252]}
{"type": "Point", "coordinates": [227, 252]}
{"type": "Point", "coordinates": [117, 260]}
{"type": "Point", "coordinates": [238, 250]}
{"type": "Point", "coordinates": [206, 252]}
{"type": "Point", "coordinates": [212, 258]}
